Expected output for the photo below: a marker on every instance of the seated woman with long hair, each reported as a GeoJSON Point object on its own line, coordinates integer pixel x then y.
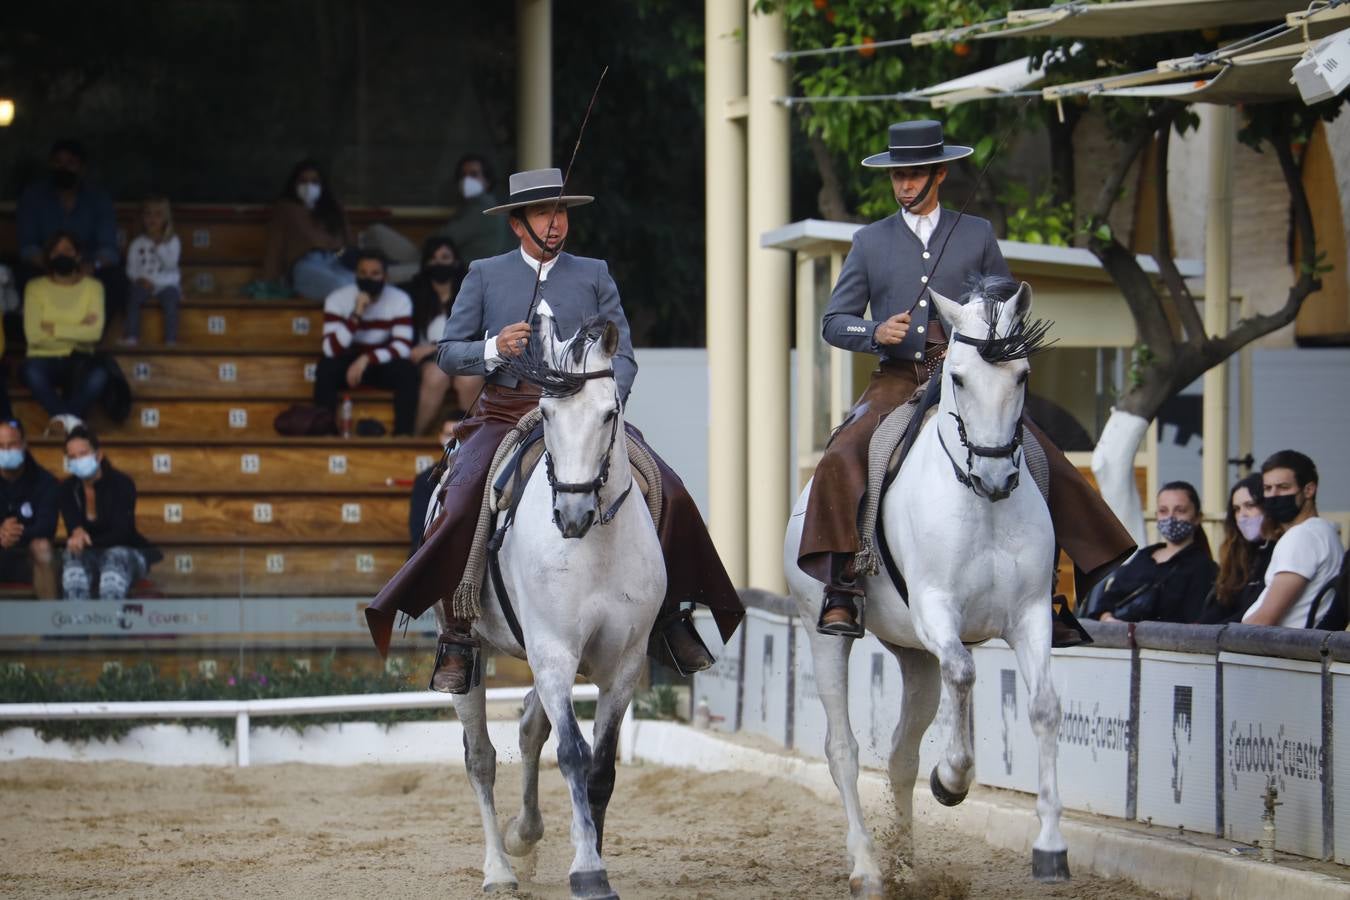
{"type": "Point", "coordinates": [1164, 582]}
{"type": "Point", "coordinates": [308, 234]}
{"type": "Point", "coordinates": [1243, 557]}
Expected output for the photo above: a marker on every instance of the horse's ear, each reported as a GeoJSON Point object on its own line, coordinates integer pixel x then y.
{"type": "Point", "coordinates": [1016, 309]}
{"type": "Point", "coordinates": [609, 339]}
{"type": "Point", "coordinates": [949, 309]}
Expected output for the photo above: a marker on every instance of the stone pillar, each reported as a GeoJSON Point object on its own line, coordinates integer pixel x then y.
{"type": "Point", "coordinates": [768, 444]}
{"type": "Point", "coordinates": [725, 293]}
{"type": "Point", "coordinates": [534, 84]}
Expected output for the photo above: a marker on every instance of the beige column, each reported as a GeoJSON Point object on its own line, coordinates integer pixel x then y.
{"type": "Point", "coordinates": [1218, 288]}
{"type": "Point", "coordinates": [534, 84]}
{"type": "Point", "coordinates": [769, 271]}
{"type": "Point", "coordinates": [724, 230]}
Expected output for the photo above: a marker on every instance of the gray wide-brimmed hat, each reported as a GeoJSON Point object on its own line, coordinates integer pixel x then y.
{"type": "Point", "coordinates": [917, 143]}
{"type": "Point", "coordinates": [537, 186]}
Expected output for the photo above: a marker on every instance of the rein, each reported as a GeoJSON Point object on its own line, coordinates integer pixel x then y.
{"type": "Point", "coordinates": [595, 485]}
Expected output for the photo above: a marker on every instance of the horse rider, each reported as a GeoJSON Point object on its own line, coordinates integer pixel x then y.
{"type": "Point", "coordinates": [485, 327]}
{"type": "Point", "coordinates": [890, 268]}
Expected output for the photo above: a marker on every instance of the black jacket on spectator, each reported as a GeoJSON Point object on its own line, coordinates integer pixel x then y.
{"type": "Point", "coordinates": [115, 496]}
{"type": "Point", "coordinates": [32, 499]}
{"type": "Point", "coordinates": [1216, 614]}
{"type": "Point", "coordinates": [1141, 590]}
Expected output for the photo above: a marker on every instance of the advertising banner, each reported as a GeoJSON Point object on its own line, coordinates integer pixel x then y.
{"type": "Point", "coordinates": [1005, 748]}
{"type": "Point", "coordinates": [766, 679]}
{"type": "Point", "coordinates": [1340, 729]}
{"type": "Point", "coordinates": [1094, 735]}
{"type": "Point", "coordinates": [1272, 735]}
{"type": "Point", "coordinates": [719, 686]}
{"type": "Point", "coordinates": [1177, 740]}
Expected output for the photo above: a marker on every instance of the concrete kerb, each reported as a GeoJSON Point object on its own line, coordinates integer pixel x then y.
{"type": "Point", "coordinates": [1155, 862]}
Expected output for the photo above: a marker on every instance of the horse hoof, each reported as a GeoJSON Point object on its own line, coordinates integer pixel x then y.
{"type": "Point", "coordinates": [1050, 865]}
{"type": "Point", "coordinates": [940, 792]}
{"type": "Point", "coordinates": [517, 844]}
{"type": "Point", "coordinates": [591, 886]}
{"type": "Point", "coordinates": [867, 888]}
{"type": "Point", "coordinates": [501, 887]}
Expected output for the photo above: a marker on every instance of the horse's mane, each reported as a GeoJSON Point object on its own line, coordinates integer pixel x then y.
{"type": "Point", "coordinates": [534, 367]}
{"type": "Point", "coordinates": [1025, 338]}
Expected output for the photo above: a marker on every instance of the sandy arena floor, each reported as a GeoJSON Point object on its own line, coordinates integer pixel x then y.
{"type": "Point", "coordinates": [127, 830]}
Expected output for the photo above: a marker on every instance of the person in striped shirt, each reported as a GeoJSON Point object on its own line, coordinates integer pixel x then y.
{"type": "Point", "coordinates": [367, 339]}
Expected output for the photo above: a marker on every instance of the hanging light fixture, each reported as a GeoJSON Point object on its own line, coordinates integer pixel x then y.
{"type": "Point", "coordinates": [6, 112]}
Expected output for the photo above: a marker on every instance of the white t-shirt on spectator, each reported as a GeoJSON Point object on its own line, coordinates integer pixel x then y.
{"type": "Point", "coordinates": [1311, 549]}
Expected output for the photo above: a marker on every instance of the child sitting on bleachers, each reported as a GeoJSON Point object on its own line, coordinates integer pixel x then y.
{"type": "Point", "coordinates": [152, 268]}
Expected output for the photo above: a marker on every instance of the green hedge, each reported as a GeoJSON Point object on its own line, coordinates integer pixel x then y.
{"type": "Point", "coordinates": [142, 683]}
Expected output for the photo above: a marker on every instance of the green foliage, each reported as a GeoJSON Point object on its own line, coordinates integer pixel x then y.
{"type": "Point", "coordinates": [143, 683]}
{"type": "Point", "coordinates": [661, 702]}
{"type": "Point", "coordinates": [1037, 219]}
{"type": "Point", "coordinates": [1142, 358]}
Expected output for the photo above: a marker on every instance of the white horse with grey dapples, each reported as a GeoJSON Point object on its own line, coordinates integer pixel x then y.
{"type": "Point", "coordinates": [977, 554]}
{"type": "Point", "coordinates": [585, 575]}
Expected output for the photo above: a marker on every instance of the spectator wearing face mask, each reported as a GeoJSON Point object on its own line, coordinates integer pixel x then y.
{"type": "Point", "coordinates": [28, 498]}
{"type": "Point", "coordinates": [63, 318]}
{"type": "Point", "coordinates": [1164, 582]}
{"type": "Point", "coordinates": [477, 236]}
{"type": "Point", "coordinates": [367, 339]}
{"type": "Point", "coordinates": [152, 267]}
{"type": "Point", "coordinates": [98, 505]}
{"type": "Point", "coordinates": [67, 203]}
{"type": "Point", "coordinates": [1243, 557]}
{"type": "Point", "coordinates": [1307, 555]}
{"type": "Point", "coordinates": [307, 235]}
{"type": "Point", "coordinates": [432, 293]}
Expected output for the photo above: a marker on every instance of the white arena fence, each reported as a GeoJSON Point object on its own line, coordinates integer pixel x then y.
{"type": "Point", "coordinates": [1182, 726]}
{"type": "Point", "coordinates": [244, 711]}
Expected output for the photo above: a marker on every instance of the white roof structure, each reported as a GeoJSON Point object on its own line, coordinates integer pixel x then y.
{"type": "Point", "coordinates": [1121, 18]}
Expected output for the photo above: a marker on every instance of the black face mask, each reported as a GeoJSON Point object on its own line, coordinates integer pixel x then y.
{"type": "Point", "coordinates": [370, 286]}
{"type": "Point", "coordinates": [64, 265]}
{"type": "Point", "coordinates": [444, 272]}
{"type": "Point", "coordinates": [64, 179]}
{"type": "Point", "coordinates": [1284, 508]}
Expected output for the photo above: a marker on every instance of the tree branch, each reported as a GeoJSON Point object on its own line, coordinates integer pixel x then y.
{"type": "Point", "coordinates": [1307, 282]}
{"type": "Point", "coordinates": [1182, 301]}
{"type": "Point", "coordinates": [831, 197]}
{"type": "Point", "coordinates": [1110, 191]}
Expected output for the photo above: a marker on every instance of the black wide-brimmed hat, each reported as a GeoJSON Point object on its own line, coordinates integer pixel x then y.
{"type": "Point", "coordinates": [917, 143]}
{"type": "Point", "coordinates": [537, 186]}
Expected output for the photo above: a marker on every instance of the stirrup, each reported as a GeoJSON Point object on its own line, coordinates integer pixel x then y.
{"type": "Point", "coordinates": [464, 646]}
{"type": "Point", "coordinates": [856, 630]}
{"type": "Point", "coordinates": [684, 619]}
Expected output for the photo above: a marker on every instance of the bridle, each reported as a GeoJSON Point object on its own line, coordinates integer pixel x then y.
{"type": "Point", "coordinates": [602, 477]}
{"type": "Point", "coordinates": [1001, 451]}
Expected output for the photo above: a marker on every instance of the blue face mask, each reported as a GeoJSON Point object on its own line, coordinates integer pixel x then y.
{"type": "Point", "coordinates": [11, 459]}
{"type": "Point", "coordinates": [84, 467]}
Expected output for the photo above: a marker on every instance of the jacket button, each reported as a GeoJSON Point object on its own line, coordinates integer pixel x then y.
{"type": "Point", "coordinates": [923, 278]}
{"type": "Point", "coordinates": [923, 302]}
{"type": "Point", "coordinates": [926, 254]}
{"type": "Point", "coordinates": [920, 329]}
{"type": "Point", "coordinates": [918, 355]}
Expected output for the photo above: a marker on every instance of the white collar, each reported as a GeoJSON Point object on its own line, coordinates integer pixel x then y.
{"type": "Point", "coordinates": [534, 264]}
{"type": "Point", "coordinates": [912, 219]}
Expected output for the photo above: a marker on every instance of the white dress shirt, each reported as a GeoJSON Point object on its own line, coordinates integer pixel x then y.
{"type": "Point", "coordinates": [922, 226]}
{"type": "Point", "coordinates": [490, 355]}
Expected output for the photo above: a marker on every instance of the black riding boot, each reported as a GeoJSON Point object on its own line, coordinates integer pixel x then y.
{"type": "Point", "coordinates": [841, 613]}
{"type": "Point", "coordinates": [676, 642]}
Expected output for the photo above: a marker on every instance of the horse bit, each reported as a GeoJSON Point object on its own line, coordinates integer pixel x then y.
{"type": "Point", "coordinates": [1002, 451]}
{"type": "Point", "coordinates": [595, 484]}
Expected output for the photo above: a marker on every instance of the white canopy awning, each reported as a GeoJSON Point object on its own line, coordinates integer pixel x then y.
{"type": "Point", "coordinates": [995, 81]}
{"type": "Point", "coordinates": [1121, 18]}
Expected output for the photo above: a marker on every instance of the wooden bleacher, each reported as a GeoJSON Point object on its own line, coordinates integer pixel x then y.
{"type": "Point", "coordinates": [236, 508]}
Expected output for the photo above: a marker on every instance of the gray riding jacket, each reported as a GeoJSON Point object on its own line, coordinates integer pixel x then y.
{"type": "Point", "coordinates": [496, 293]}
{"type": "Point", "coordinates": [889, 269]}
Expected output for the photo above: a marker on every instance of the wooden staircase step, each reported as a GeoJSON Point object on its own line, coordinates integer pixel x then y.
{"type": "Point", "coordinates": [334, 467]}
{"type": "Point", "coordinates": [159, 374]}
{"type": "Point", "coordinates": [283, 570]}
{"type": "Point", "coordinates": [218, 279]}
{"type": "Point", "coordinates": [269, 518]}
{"type": "Point", "coordinates": [231, 419]}
{"type": "Point", "coordinates": [218, 327]}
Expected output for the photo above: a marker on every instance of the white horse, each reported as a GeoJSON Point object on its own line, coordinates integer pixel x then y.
{"type": "Point", "coordinates": [584, 572]}
{"type": "Point", "coordinates": [975, 568]}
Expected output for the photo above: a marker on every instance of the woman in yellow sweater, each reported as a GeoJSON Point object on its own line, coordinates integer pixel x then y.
{"type": "Point", "coordinates": [62, 320]}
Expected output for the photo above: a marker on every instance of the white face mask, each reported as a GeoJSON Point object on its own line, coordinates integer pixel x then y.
{"type": "Point", "coordinates": [471, 187]}
{"type": "Point", "coordinates": [309, 193]}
